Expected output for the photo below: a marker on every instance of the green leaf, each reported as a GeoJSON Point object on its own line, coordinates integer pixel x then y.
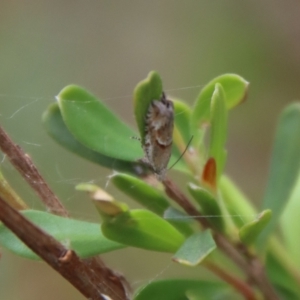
{"type": "Point", "coordinates": [179, 220]}
{"type": "Point", "coordinates": [143, 229]}
{"type": "Point", "coordinates": [284, 293]}
{"type": "Point", "coordinates": [95, 126]}
{"type": "Point", "coordinates": [290, 224]}
{"type": "Point", "coordinates": [182, 120]}
{"type": "Point", "coordinates": [235, 88]}
{"type": "Point", "coordinates": [145, 92]}
{"type": "Point", "coordinates": [249, 232]}
{"type": "Point", "coordinates": [218, 115]}
{"type": "Point", "coordinates": [218, 295]}
{"type": "Point", "coordinates": [194, 295]}
{"type": "Point", "coordinates": [177, 215]}
{"type": "Point", "coordinates": [238, 206]}
{"type": "Point", "coordinates": [280, 278]}
{"type": "Point", "coordinates": [176, 164]}
{"type": "Point", "coordinates": [285, 166]}
{"type": "Point", "coordinates": [56, 128]}
{"type": "Point", "coordinates": [141, 192]}
{"type": "Point", "coordinates": [147, 196]}
{"type": "Point", "coordinates": [195, 249]}
{"type": "Point", "coordinates": [177, 289]}
{"type": "Point", "coordinates": [181, 138]}
{"type": "Point", "coordinates": [209, 206]}
{"type": "Point", "coordinates": [83, 237]}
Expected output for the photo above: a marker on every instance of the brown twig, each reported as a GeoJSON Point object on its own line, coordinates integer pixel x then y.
{"type": "Point", "coordinates": [247, 263]}
{"type": "Point", "coordinates": [80, 274]}
{"type": "Point", "coordinates": [90, 276]}
{"type": "Point", "coordinates": [242, 287]}
{"type": "Point", "coordinates": [23, 163]}
{"type": "Point", "coordinates": [174, 193]}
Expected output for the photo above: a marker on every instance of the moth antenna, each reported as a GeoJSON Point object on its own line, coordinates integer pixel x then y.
{"type": "Point", "coordinates": [188, 144]}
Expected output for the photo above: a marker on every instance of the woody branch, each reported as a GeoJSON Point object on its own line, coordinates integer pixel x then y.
{"type": "Point", "coordinates": [90, 276]}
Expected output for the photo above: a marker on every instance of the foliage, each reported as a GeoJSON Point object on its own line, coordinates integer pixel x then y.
{"type": "Point", "coordinates": [85, 126]}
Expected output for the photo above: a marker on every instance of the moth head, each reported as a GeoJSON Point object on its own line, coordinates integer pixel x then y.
{"type": "Point", "coordinates": [161, 111]}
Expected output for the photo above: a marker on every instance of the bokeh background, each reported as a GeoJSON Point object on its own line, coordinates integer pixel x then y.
{"type": "Point", "coordinates": [107, 47]}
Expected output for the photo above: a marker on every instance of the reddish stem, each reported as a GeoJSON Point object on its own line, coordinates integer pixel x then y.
{"type": "Point", "coordinates": [239, 285]}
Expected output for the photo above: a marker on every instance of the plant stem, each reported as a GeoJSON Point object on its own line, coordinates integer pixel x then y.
{"type": "Point", "coordinates": [247, 263]}
{"type": "Point", "coordinates": [23, 163]}
{"type": "Point", "coordinates": [239, 285]}
{"type": "Point", "coordinates": [90, 283]}
{"type": "Point", "coordinates": [174, 193]}
{"type": "Point", "coordinates": [90, 276]}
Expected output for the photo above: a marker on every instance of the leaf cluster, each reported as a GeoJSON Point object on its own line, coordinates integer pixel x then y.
{"type": "Point", "coordinates": [84, 125]}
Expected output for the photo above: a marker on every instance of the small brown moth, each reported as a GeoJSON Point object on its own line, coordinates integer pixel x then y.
{"type": "Point", "coordinates": [158, 137]}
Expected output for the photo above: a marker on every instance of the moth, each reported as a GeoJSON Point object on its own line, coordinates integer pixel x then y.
{"type": "Point", "coordinates": [158, 135]}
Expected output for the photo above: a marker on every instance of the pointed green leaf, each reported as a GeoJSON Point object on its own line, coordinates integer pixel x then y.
{"type": "Point", "coordinates": [147, 196]}
{"type": "Point", "coordinates": [183, 114]}
{"type": "Point", "coordinates": [176, 289]}
{"type": "Point", "coordinates": [141, 192]}
{"type": "Point", "coordinates": [235, 88]}
{"type": "Point", "coordinates": [290, 224]}
{"type": "Point", "coordinates": [195, 249]}
{"type": "Point", "coordinates": [209, 206]}
{"type": "Point", "coordinates": [95, 126]}
{"type": "Point", "coordinates": [143, 229]}
{"type": "Point", "coordinates": [285, 166]}
{"type": "Point", "coordinates": [218, 116]}
{"type": "Point", "coordinates": [249, 232]}
{"type": "Point", "coordinates": [182, 137]}
{"type": "Point", "coordinates": [108, 207]}
{"type": "Point", "coordinates": [56, 128]}
{"type": "Point", "coordinates": [83, 237]}
{"type": "Point", "coordinates": [145, 92]}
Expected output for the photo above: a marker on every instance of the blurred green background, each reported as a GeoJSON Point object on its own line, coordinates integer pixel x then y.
{"type": "Point", "coordinates": [107, 47]}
